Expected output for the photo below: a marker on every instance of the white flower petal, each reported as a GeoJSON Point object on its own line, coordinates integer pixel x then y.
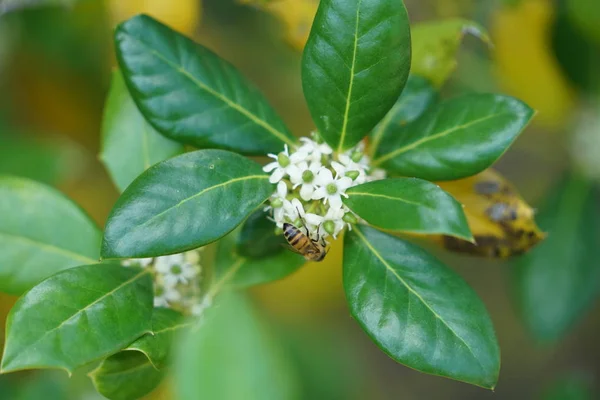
{"type": "Point", "coordinates": [295, 173]}
{"type": "Point", "coordinates": [340, 170]}
{"type": "Point", "coordinates": [335, 201]}
{"type": "Point", "coordinates": [313, 219]}
{"type": "Point", "coordinates": [270, 167]}
{"type": "Point", "coordinates": [306, 192]}
{"type": "Point", "coordinates": [319, 193]}
{"type": "Point", "coordinates": [277, 175]}
{"type": "Point", "coordinates": [282, 190]}
{"type": "Point", "coordinates": [324, 177]}
{"type": "Point", "coordinates": [344, 183]}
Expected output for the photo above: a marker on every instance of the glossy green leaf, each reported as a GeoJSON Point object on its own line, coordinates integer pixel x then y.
{"type": "Point", "coordinates": [418, 311]}
{"type": "Point", "coordinates": [41, 232]}
{"type": "Point", "coordinates": [233, 269]}
{"type": "Point", "coordinates": [257, 237]}
{"type": "Point", "coordinates": [129, 144]}
{"type": "Point", "coordinates": [52, 161]}
{"type": "Point", "coordinates": [559, 280]}
{"type": "Point", "coordinates": [232, 356]}
{"type": "Point", "coordinates": [126, 375]}
{"type": "Point", "coordinates": [78, 316]}
{"type": "Point", "coordinates": [355, 47]}
{"type": "Point", "coordinates": [457, 138]}
{"type": "Point", "coordinates": [435, 46]}
{"type": "Point", "coordinates": [409, 205]}
{"type": "Point", "coordinates": [191, 95]}
{"type": "Point", "coordinates": [417, 96]}
{"type": "Point", "coordinates": [184, 203]}
{"type": "Point", "coordinates": [166, 324]}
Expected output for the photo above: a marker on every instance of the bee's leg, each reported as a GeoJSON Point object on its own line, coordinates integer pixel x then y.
{"type": "Point", "coordinates": [303, 222]}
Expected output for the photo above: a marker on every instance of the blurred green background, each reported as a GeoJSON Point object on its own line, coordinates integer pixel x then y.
{"type": "Point", "coordinates": [55, 64]}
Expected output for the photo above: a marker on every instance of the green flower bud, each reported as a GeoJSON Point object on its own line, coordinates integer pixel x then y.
{"type": "Point", "coordinates": [352, 174]}
{"type": "Point", "coordinates": [297, 223]}
{"type": "Point", "coordinates": [350, 218]}
{"type": "Point", "coordinates": [276, 203]}
{"type": "Point", "coordinates": [332, 188]}
{"type": "Point", "coordinates": [308, 176]}
{"type": "Point", "coordinates": [176, 269]}
{"type": "Point", "coordinates": [329, 227]}
{"type": "Point", "coordinates": [316, 137]}
{"type": "Point", "coordinates": [283, 160]}
{"type": "Point", "coordinates": [357, 156]}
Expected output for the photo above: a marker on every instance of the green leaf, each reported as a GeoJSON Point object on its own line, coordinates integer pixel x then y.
{"type": "Point", "coordinates": [571, 386]}
{"type": "Point", "coordinates": [355, 47]}
{"type": "Point", "coordinates": [52, 161]}
{"type": "Point", "coordinates": [191, 95]}
{"type": "Point", "coordinates": [233, 269]}
{"type": "Point", "coordinates": [126, 375]}
{"type": "Point", "coordinates": [418, 311]}
{"type": "Point", "coordinates": [585, 15]}
{"type": "Point", "coordinates": [457, 138]}
{"type": "Point", "coordinates": [409, 205]}
{"type": "Point", "coordinates": [166, 324]}
{"type": "Point", "coordinates": [257, 237]}
{"type": "Point", "coordinates": [78, 316]}
{"type": "Point", "coordinates": [41, 232]}
{"type": "Point", "coordinates": [416, 98]}
{"type": "Point", "coordinates": [435, 45]}
{"type": "Point", "coordinates": [184, 203]}
{"type": "Point", "coordinates": [232, 356]}
{"type": "Point", "coordinates": [559, 280]}
{"type": "Point", "coordinates": [129, 144]}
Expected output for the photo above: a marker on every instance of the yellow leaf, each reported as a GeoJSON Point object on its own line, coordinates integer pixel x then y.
{"type": "Point", "coordinates": [434, 47]}
{"type": "Point", "coordinates": [501, 221]}
{"type": "Point", "coordinates": [525, 63]}
{"type": "Point", "coordinates": [181, 15]}
{"type": "Point", "coordinates": [296, 16]}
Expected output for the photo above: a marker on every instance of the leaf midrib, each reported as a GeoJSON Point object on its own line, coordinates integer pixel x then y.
{"type": "Point", "coordinates": [50, 248]}
{"type": "Point", "coordinates": [435, 136]}
{"type": "Point", "coordinates": [365, 194]}
{"type": "Point", "coordinates": [200, 193]}
{"type": "Point", "coordinates": [242, 110]}
{"type": "Point", "coordinates": [347, 109]}
{"type": "Point", "coordinates": [111, 292]}
{"type": "Point", "coordinates": [415, 293]}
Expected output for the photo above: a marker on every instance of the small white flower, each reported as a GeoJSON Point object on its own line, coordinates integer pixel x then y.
{"type": "Point", "coordinates": [163, 296]}
{"type": "Point", "coordinates": [137, 262]}
{"type": "Point", "coordinates": [377, 174]}
{"type": "Point", "coordinates": [174, 269]}
{"type": "Point", "coordinates": [304, 175]}
{"type": "Point", "coordinates": [313, 149]}
{"type": "Point", "coordinates": [350, 165]}
{"type": "Point", "coordinates": [278, 168]}
{"type": "Point", "coordinates": [331, 189]}
{"type": "Point", "coordinates": [335, 215]}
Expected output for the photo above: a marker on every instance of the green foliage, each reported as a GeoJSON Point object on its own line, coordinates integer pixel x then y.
{"type": "Point", "coordinates": [354, 71]}
{"type": "Point", "coordinates": [558, 281]}
{"type": "Point", "coordinates": [78, 316]}
{"type": "Point", "coordinates": [41, 232]}
{"type": "Point", "coordinates": [126, 375]}
{"type": "Point", "coordinates": [344, 60]}
{"type": "Point", "coordinates": [409, 205]}
{"type": "Point", "coordinates": [179, 204]}
{"type": "Point", "coordinates": [156, 346]}
{"type": "Point", "coordinates": [234, 269]}
{"type": "Point", "coordinates": [417, 310]}
{"type": "Point", "coordinates": [457, 138]}
{"type": "Point", "coordinates": [231, 355]}
{"type": "Point", "coordinates": [129, 144]}
{"type": "Point", "coordinates": [416, 98]}
{"type": "Point", "coordinates": [200, 99]}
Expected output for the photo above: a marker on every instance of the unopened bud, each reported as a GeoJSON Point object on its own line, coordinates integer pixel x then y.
{"type": "Point", "coordinates": [329, 227]}
{"type": "Point", "coordinates": [350, 218]}
{"type": "Point", "coordinates": [352, 174]}
{"type": "Point", "coordinates": [357, 156]}
{"type": "Point", "coordinates": [276, 203]}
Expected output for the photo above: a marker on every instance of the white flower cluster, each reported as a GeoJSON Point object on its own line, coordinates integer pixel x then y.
{"type": "Point", "coordinates": [176, 280]}
{"type": "Point", "coordinates": [311, 181]}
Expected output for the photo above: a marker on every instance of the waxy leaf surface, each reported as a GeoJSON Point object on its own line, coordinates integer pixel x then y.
{"type": "Point", "coordinates": [184, 203]}
{"type": "Point", "coordinates": [418, 311]}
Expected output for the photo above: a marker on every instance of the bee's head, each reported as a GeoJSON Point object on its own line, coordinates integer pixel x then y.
{"type": "Point", "coordinates": [317, 256]}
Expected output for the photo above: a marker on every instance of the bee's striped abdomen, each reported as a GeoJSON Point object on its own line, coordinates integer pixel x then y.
{"type": "Point", "coordinates": [296, 238]}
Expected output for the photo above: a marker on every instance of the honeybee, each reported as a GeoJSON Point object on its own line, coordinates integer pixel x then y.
{"type": "Point", "coordinates": [312, 250]}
